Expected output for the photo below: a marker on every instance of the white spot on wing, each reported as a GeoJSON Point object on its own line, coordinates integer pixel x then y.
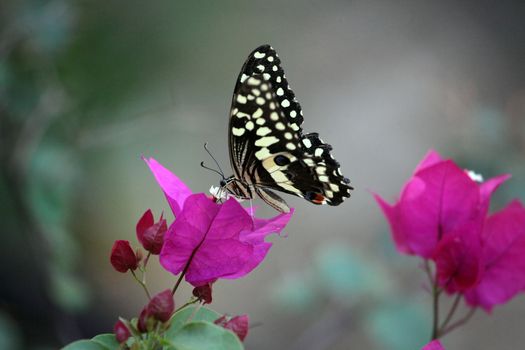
{"type": "Point", "coordinates": [262, 153]}
{"type": "Point", "coordinates": [285, 103]}
{"type": "Point", "coordinates": [250, 125]}
{"type": "Point", "coordinates": [263, 131]}
{"type": "Point", "coordinates": [258, 54]}
{"type": "Point", "coordinates": [258, 113]}
{"type": "Point", "coordinates": [307, 143]}
{"type": "Point", "coordinates": [241, 99]}
{"type": "Point", "coordinates": [238, 131]}
{"type": "Point", "coordinates": [266, 141]}
{"type": "Point", "coordinates": [280, 126]}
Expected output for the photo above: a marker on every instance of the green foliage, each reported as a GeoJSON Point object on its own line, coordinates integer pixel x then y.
{"type": "Point", "coordinates": [87, 345]}
{"type": "Point", "coordinates": [180, 318]}
{"type": "Point", "coordinates": [188, 329]}
{"type": "Point", "coordinates": [199, 335]}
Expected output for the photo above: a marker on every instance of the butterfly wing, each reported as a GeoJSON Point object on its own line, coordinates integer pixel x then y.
{"type": "Point", "coordinates": [267, 147]}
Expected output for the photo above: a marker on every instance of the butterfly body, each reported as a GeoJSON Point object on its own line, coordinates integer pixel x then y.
{"type": "Point", "coordinates": [268, 150]}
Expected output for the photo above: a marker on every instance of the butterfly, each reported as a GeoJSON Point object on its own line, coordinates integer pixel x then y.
{"type": "Point", "coordinates": [268, 150]}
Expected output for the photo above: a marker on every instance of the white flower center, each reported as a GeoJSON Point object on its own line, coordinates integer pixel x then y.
{"type": "Point", "coordinates": [474, 176]}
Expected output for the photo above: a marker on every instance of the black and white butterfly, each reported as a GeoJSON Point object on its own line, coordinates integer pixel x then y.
{"type": "Point", "coordinates": [268, 150]}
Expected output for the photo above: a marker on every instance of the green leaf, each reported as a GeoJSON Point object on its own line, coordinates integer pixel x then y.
{"type": "Point", "coordinates": [85, 345]}
{"type": "Point", "coordinates": [205, 335]}
{"type": "Point", "coordinates": [107, 340]}
{"type": "Point", "coordinates": [181, 317]}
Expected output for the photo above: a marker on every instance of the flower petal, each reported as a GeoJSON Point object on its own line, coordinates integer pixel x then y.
{"type": "Point", "coordinates": [458, 259]}
{"type": "Point", "coordinates": [174, 189]}
{"type": "Point", "coordinates": [504, 258]}
{"type": "Point", "coordinates": [431, 158]}
{"type": "Point", "coordinates": [218, 238]}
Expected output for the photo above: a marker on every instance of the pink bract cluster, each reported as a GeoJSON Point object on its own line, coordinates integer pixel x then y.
{"type": "Point", "coordinates": [442, 215]}
{"type": "Point", "coordinates": [210, 240]}
{"type": "Point", "coordinates": [433, 345]}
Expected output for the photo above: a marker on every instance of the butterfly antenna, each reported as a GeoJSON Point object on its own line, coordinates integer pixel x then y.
{"type": "Point", "coordinates": [211, 169]}
{"type": "Point", "coordinates": [215, 160]}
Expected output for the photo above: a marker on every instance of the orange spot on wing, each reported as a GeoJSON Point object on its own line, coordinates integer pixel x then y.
{"type": "Point", "coordinates": [318, 199]}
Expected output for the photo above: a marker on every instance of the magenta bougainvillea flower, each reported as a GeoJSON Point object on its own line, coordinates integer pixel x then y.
{"type": "Point", "coordinates": [433, 345]}
{"type": "Point", "coordinates": [503, 256]}
{"type": "Point", "coordinates": [210, 240]}
{"type": "Point", "coordinates": [238, 325]}
{"type": "Point", "coordinates": [150, 233]}
{"type": "Point", "coordinates": [440, 198]}
{"type": "Point", "coordinates": [442, 215]}
{"type": "Point", "coordinates": [122, 257]}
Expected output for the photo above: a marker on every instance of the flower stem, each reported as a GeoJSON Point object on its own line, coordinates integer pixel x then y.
{"type": "Point", "coordinates": [435, 310]}
{"type": "Point", "coordinates": [191, 302]}
{"type": "Point", "coordinates": [436, 292]}
{"type": "Point", "coordinates": [179, 280]}
{"type": "Point", "coordinates": [141, 283]}
{"type": "Point", "coordinates": [459, 322]}
{"type": "Point", "coordinates": [146, 261]}
{"type": "Point", "coordinates": [450, 314]}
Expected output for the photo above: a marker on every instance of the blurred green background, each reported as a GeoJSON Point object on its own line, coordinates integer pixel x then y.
{"type": "Point", "coordinates": [87, 87]}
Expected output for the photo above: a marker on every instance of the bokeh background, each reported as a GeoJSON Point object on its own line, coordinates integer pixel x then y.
{"type": "Point", "coordinates": [87, 87]}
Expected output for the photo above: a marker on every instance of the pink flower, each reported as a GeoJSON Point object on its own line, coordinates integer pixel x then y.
{"type": "Point", "coordinates": [433, 345]}
{"type": "Point", "coordinates": [503, 256]}
{"type": "Point", "coordinates": [440, 198]}
{"type": "Point", "coordinates": [123, 258]}
{"type": "Point", "coordinates": [238, 325]}
{"type": "Point", "coordinates": [151, 234]}
{"type": "Point", "coordinates": [210, 240]}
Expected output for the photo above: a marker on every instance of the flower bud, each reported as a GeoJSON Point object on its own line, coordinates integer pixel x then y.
{"type": "Point", "coordinates": [160, 308]}
{"type": "Point", "coordinates": [123, 258]}
{"type": "Point", "coordinates": [203, 293]}
{"type": "Point", "coordinates": [238, 325]}
{"type": "Point", "coordinates": [121, 331]}
{"type": "Point", "coordinates": [151, 234]}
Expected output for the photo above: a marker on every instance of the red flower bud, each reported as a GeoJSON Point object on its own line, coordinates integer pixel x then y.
{"type": "Point", "coordinates": [123, 257]}
{"type": "Point", "coordinates": [203, 293]}
{"type": "Point", "coordinates": [121, 331]}
{"type": "Point", "coordinates": [238, 325]}
{"type": "Point", "coordinates": [151, 234]}
{"type": "Point", "coordinates": [160, 308]}
{"type": "Point", "coordinates": [142, 323]}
